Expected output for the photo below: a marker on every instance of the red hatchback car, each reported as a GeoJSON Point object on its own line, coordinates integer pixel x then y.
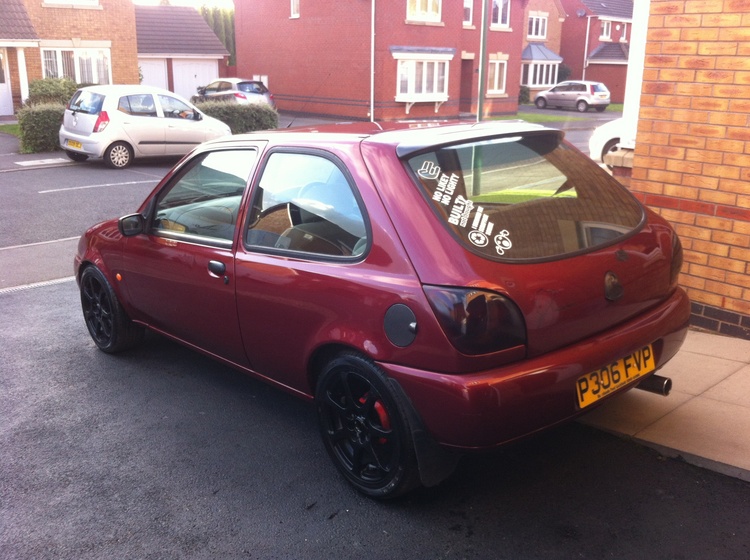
{"type": "Point", "coordinates": [434, 289]}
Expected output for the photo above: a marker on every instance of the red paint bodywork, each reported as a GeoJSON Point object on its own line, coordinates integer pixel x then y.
{"type": "Point", "coordinates": [278, 317]}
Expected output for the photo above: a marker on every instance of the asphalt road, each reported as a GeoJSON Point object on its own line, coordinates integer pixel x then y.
{"type": "Point", "coordinates": [161, 453]}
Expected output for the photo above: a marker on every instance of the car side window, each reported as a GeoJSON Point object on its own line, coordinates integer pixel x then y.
{"type": "Point", "coordinates": [202, 204]}
{"type": "Point", "coordinates": [304, 203]}
{"type": "Point", "coordinates": [138, 105]}
{"type": "Point", "coordinates": [173, 108]}
{"type": "Point", "coordinates": [213, 87]}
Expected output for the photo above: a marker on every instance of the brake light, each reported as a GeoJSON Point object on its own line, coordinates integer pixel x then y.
{"type": "Point", "coordinates": [102, 120]}
{"type": "Point", "coordinates": [477, 321]}
{"type": "Point", "coordinates": [239, 95]}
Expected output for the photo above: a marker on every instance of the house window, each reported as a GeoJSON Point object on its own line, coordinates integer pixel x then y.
{"type": "Point", "coordinates": [468, 12]}
{"type": "Point", "coordinates": [423, 10]}
{"type": "Point", "coordinates": [536, 74]}
{"type": "Point", "coordinates": [422, 75]}
{"type": "Point", "coordinates": [606, 34]}
{"type": "Point", "coordinates": [624, 35]}
{"type": "Point", "coordinates": [537, 27]}
{"type": "Point", "coordinates": [500, 14]}
{"type": "Point", "coordinates": [496, 76]}
{"type": "Point", "coordinates": [295, 9]}
{"type": "Point", "coordinates": [83, 66]}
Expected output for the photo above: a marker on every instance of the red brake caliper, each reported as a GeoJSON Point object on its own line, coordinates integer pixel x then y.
{"type": "Point", "coordinates": [385, 421]}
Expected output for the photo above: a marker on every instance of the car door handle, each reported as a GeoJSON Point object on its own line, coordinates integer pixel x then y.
{"type": "Point", "coordinates": [217, 270]}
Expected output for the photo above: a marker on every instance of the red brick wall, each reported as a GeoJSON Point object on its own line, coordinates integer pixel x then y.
{"type": "Point", "coordinates": [692, 155]}
{"type": "Point", "coordinates": [320, 62]}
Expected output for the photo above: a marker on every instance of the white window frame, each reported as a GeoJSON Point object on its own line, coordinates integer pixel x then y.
{"type": "Point", "coordinates": [503, 13]}
{"type": "Point", "coordinates": [468, 13]}
{"type": "Point", "coordinates": [497, 71]}
{"type": "Point", "coordinates": [294, 9]}
{"type": "Point", "coordinates": [422, 78]}
{"type": "Point", "coordinates": [429, 11]}
{"type": "Point", "coordinates": [536, 28]}
{"type": "Point", "coordinates": [606, 34]}
{"type": "Point", "coordinates": [57, 62]}
{"type": "Point", "coordinates": [539, 74]}
{"type": "Point", "coordinates": [624, 34]}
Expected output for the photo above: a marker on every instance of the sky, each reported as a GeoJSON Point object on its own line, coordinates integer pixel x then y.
{"type": "Point", "coordinates": [194, 3]}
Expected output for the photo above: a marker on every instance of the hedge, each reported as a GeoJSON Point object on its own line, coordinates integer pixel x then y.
{"type": "Point", "coordinates": [51, 90]}
{"type": "Point", "coordinates": [40, 127]}
{"type": "Point", "coordinates": [242, 117]}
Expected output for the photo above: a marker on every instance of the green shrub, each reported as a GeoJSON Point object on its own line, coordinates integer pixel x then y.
{"type": "Point", "coordinates": [524, 96]}
{"type": "Point", "coordinates": [51, 90]}
{"type": "Point", "coordinates": [40, 126]}
{"type": "Point", "coordinates": [242, 118]}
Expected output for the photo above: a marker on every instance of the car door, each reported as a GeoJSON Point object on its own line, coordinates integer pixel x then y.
{"type": "Point", "coordinates": [182, 132]}
{"type": "Point", "coordinates": [179, 274]}
{"type": "Point", "coordinates": [141, 124]}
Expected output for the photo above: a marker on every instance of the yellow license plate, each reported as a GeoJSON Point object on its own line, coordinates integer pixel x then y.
{"type": "Point", "coordinates": [74, 144]}
{"type": "Point", "coordinates": [607, 379]}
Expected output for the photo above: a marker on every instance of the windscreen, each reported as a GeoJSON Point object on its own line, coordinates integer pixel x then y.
{"type": "Point", "coordinates": [526, 197]}
{"type": "Point", "coordinates": [86, 102]}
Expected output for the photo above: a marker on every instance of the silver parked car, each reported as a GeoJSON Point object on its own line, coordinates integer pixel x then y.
{"type": "Point", "coordinates": [120, 122]}
{"type": "Point", "coordinates": [574, 94]}
{"type": "Point", "coordinates": [236, 90]}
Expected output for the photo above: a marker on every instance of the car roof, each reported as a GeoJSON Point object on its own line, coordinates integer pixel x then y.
{"type": "Point", "coordinates": [236, 80]}
{"type": "Point", "coordinates": [406, 136]}
{"type": "Point", "coordinates": [128, 89]}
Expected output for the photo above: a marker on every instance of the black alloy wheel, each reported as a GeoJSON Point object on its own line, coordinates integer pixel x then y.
{"type": "Point", "coordinates": [109, 326]}
{"type": "Point", "coordinates": [364, 427]}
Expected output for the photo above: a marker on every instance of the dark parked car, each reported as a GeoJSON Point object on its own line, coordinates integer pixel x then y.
{"type": "Point", "coordinates": [434, 290]}
{"type": "Point", "coordinates": [235, 90]}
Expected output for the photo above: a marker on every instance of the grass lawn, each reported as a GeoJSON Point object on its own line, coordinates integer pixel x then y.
{"type": "Point", "coordinates": [554, 115]}
{"type": "Point", "coordinates": [13, 129]}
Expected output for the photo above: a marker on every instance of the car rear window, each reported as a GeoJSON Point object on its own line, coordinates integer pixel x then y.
{"type": "Point", "coordinates": [526, 197]}
{"type": "Point", "coordinates": [252, 87]}
{"type": "Point", "coordinates": [599, 88]}
{"type": "Point", "coordinates": [86, 102]}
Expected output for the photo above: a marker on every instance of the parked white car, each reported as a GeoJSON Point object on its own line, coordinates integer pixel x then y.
{"type": "Point", "coordinates": [574, 94]}
{"type": "Point", "coordinates": [120, 122]}
{"type": "Point", "coordinates": [605, 139]}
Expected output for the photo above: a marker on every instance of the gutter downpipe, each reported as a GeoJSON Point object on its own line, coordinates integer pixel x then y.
{"type": "Point", "coordinates": [482, 62]}
{"type": "Point", "coordinates": [586, 47]}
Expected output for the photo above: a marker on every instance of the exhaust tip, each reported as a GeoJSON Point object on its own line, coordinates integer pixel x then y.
{"type": "Point", "coordinates": [656, 384]}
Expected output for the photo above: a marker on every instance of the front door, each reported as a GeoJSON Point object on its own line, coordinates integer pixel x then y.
{"type": "Point", "coordinates": [6, 97]}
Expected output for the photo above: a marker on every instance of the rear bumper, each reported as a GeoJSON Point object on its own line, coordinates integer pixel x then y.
{"type": "Point", "coordinates": [487, 409]}
{"type": "Point", "coordinates": [91, 147]}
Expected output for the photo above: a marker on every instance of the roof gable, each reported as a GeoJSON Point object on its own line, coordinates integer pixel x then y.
{"type": "Point", "coordinates": [615, 9]}
{"type": "Point", "coordinates": [175, 30]}
{"type": "Point", "coordinates": [15, 24]}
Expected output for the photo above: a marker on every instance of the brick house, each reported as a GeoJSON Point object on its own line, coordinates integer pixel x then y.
{"type": "Point", "coordinates": [423, 61]}
{"type": "Point", "coordinates": [691, 157]}
{"type": "Point", "coordinates": [595, 42]}
{"type": "Point", "coordinates": [541, 57]}
{"type": "Point", "coordinates": [89, 41]}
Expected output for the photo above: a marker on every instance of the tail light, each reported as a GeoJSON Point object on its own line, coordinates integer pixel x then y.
{"type": "Point", "coordinates": [101, 121]}
{"type": "Point", "coordinates": [239, 95]}
{"type": "Point", "coordinates": [477, 321]}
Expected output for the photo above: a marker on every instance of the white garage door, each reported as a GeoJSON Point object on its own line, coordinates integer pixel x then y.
{"type": "Point", "coordinates": [188, 74]}
{"type": "Point", "coordinates": [154, 72]}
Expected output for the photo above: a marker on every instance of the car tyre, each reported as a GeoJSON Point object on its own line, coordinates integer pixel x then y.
{"type": "Point", "coordinates": [118, 156]}
{"type": "Point", "coordinates": [75, 156]}
{"type": "Point", "coordinates": [610, 146]}
{"type": "Point", "coordinates": [600, 109]}
{"type": "Point", "coordinates": [582, 106]}
{"type": "Point", "coordinates": [540, 102]}
{"type": "Point", "coordinates": [108, 324]}
{"type": "Point", "coordinates": [364, 427]}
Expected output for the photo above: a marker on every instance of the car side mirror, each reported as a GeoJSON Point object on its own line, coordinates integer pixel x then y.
{"type": "Point", "coordinates": [133, 224]}
{"type": "Point", "coordinates": [197, 116]}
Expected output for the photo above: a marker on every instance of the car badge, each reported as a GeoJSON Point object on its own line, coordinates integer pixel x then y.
{"type": "Point", "coordinates": [613, 290]}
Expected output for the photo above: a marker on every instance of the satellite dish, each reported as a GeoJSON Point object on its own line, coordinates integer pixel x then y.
{"type": "Point", "coordinates": [581, 12]}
